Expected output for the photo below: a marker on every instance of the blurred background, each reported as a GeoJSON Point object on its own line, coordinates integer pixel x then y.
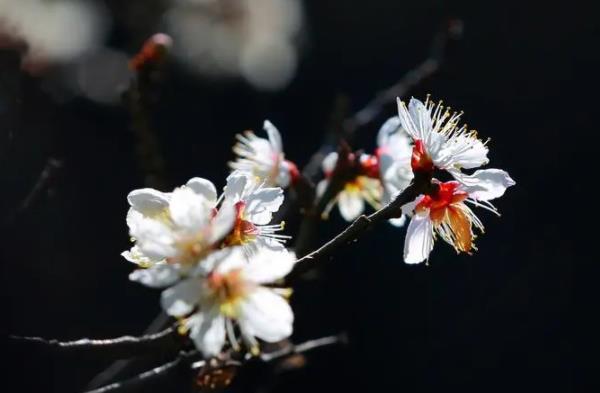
{"type": "Point", "coordinates": [74, 141]}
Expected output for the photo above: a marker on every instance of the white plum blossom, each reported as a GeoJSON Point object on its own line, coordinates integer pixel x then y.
{"type": "Point", "coordinates": [227, 287]}
{"type": "Point", "coordinates": [394, 153]}
{"type": "Point", "coordinates": [175, 230]}
{"type": "Point", "coordinates": [364, 187]}
{"type": "Point", "coordinates": [444, 212]}
{"type": "Point", "coordinates": [264, 158]}
{"type": "Point", "coordinates": [439, 141]}
{"type": "Point", "coordinates": [254, 206]}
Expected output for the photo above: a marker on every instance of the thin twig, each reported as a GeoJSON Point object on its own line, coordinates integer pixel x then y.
{"type": "Point", "coordinates": [140, 382]}
{"type": "Point", "coordinates": [121, 347]}
{"type": "Point", "coordinates": [359, 226]}
{"type": "Point", "coordinates": [46, 177]}
{"type": "Point", "coordinates": [117, 369]}
{"type": "Point", "coordinates": [304, 347]}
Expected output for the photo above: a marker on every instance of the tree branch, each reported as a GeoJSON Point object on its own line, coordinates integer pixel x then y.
{"type": "Point", "coordinates": [360, 225]}
{"type": "Point", "coordinates": [121, 347]}
{"type": "Point", "coordinates": [185, 362]}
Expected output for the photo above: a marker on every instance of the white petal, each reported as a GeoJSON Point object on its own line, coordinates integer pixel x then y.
{"type": "Point", "coordinates": [203, 187]}
{"type": "Point", "coordinates": [407, 121]}
{"type": "Point", "coordinates": [264, 242]}
{"type": "Point", "coordinates": [236, 184]}
{"type": "Point", "coordinates": [398, 222]}
{"type": "Point", "coordinates": [274, 136]}
{"type": "Point", "coordinates": [148, 201]}
{"type": "Point", "coordinates": [268, 266]}
{"type": "Point", "coordinates": [463, 151]}
{"type": "Point", "coordinates": [409, 208]}
{"type": "Point", "coordinates": [322, 186]}
{"type": "Point", "coordinates": [388, 128]}
{"type": "Point", "coordinates": [266, 315]}
{"type": "Point", "coordinates": [234, 259]}
{"type": "Point", "coordinates": [485, 184]}
{"type": "Point", "coordinates": [421, 117]}
{"type": "Point", "coordinates": [223, 222]}
{"type": "Point", "coordinates": [189, 210]}
{"type": "Point", "coordinates": [283, 177]}
{"type": "Point", "coordinates": [208, 264]}
{"type": "Point", "coordinates": [154, 239]}
{"type": "Point", "coordinates": [157, 276]}
{"type": "Point", "coordinates": [419, 239]}
{"type": "Point", "coordinates": [135, 255]}
{"type": "Point", "coordinates": [181, 299]}
{"type": "Point", "coordinates": [261, 204]}
{"type": "Point", "coordinates": [351, 205]}
{"type": "Point", "coordinates": [329, 162]}
{"type": "Point", "coordinates": [207, 330]}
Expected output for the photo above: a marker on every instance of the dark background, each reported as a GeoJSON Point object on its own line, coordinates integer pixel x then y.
{"type": "Point", "coordinates": [510, 318]}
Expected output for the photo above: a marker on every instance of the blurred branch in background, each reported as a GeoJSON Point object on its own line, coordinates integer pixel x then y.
{"type": "Point", "coordinates": [46, 178]}
{"type": "Point", "coordinates": [346, 128]}
{"type": "Point", "coordinates": [142, 97]}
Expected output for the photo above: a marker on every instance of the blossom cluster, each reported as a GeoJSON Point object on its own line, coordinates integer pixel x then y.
{"type": "Point", "coordinates": [219, 256]}
{"type": "Point", "coordinates": [214, 255]}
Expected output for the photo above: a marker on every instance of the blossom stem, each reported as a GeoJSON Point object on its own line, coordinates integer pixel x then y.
{"type": "Point", "coordinates": [359, 226]}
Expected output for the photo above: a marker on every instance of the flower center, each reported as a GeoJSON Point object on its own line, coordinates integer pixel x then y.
{"type": "Point", "coordinates": [243, 231]}
{"type": "Point", "coordinates": [227, 290]}
{"type": "Point", "coordinates": [447, 212]}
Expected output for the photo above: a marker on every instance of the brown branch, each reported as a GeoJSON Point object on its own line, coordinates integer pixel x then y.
{"type": "Point", "coordinates": [360, 225]}
{"type": "Point", "coordinates": [167, 340]}
{"type": "Point", "coordinates": [141, 381]}
{"type": "Point", "coordinates": [187, 362]}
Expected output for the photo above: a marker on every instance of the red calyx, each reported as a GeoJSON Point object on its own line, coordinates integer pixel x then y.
{"type": "Point", "coordinates": [420, 160]}
{"type": "Point", "coordinates": [369, 166]}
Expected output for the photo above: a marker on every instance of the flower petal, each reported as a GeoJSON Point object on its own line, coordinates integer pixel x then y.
{"type": "Point", "coordinates": [223, 222]}
{"type": "Point", "coordinates": [329, 162]}
{"type": "Point", "coordinates": [267, 266]}
{"type": "Point", "coordinates": [262, 203]}
{"type": "Point", "coordinates": [189, 210]}
{"type": "Point", "coordinates": [463, 151]}
{"type": "Point", "coordinates": [351, 205]}
{"type": "Point", "coordinates": [485, 184]}
{"type": "Point", "coordinates": [203, 187]}
{"type": "Point", "coordinates": [388, 129]}
{"type": "Point", "coordinates": [210, 263]}
{"type": "Point", "coordinates": [158, 276]}
{"type": "Point", "coordinates": [180, 300]}
{"type": "Point", "coordinates": [135, 255]}
{"type": "Point", "coordinates": [207, 330]}
{"type": "Point", "coordinates": [420, 116]}
{"type": "Point", "coordinates": [266, 315]}
{"type": "Point", "coordinates": [148, 201]}
{"type": "Point", "coordinates": [154, 239]}
{"type": "Point", "coordinates": [398, 222]}
{"type": "Point", "coordinates": [236, 184]}
{"type": "Point", "coordinates": [274, 136]}
{"type": "Point", "coordinates": [419, 239]}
